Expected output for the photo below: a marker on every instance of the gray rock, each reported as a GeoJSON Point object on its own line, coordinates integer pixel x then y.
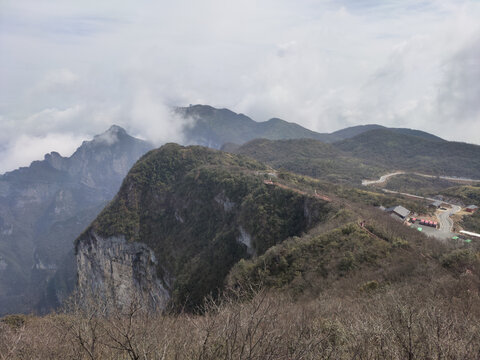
{"type": "Point", "coordinates": [122, 271]}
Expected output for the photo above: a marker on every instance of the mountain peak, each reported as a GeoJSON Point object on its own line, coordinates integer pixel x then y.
{"type": "Point", "coordinates": [116, 129]}
{"type": "Point", "coordinates": [275, 120]}
{"type": "Point", "coordinates": [111, 136]}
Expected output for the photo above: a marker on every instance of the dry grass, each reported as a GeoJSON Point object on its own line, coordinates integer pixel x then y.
{"type": "Point", "coordinates": [439, 321]}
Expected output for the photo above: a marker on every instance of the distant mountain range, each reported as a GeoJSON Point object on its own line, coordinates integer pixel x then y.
{"type": "Point", "coordinates": [367, 155]}
{"type": "Point", "coordinates": [213, 128]}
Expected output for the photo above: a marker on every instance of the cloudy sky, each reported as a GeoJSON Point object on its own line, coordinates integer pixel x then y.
{"type": "Point", "coordinates": [69, 69]}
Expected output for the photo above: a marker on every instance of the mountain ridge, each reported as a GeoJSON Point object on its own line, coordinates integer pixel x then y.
{"type": "Point", "coordinates": [409, 152]}
{"type": "Point", "coordinates": [214, 127]}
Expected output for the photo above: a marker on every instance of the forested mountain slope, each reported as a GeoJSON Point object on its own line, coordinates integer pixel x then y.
{"type": "Point", "coordinates": [406, 152]}
{"type": "Point", "coordinates": [200, 211]}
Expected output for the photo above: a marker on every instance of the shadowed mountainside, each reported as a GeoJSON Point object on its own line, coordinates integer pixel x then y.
{"type": "Point", "coordinates": [45, 206]}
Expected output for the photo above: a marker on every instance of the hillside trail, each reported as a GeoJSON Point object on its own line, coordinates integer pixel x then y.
{"type": "Point", "coordinates": [362, 225]}
{"type": "Point", "coordinates": [296, 190]}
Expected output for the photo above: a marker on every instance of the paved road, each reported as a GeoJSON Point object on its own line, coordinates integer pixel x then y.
{"type": "Point", "coordinates": [385, 177]}
{"type": "Point", "coordinates": [411, 195]}
{"type": "Point", "coordinates": [382, 178]}
{"type": "Point", "coordinates": [444, 219]}
{"type": "Point", "coordinates": [451, 178]}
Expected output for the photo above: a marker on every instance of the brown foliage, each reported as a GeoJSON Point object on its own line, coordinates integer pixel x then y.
{"type": "Point", "coordinates": [439, 321]}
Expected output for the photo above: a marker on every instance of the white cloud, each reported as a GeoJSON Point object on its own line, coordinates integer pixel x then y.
{"type": "Point", "coordinates": [25, 149]}
{"type": "Point", "coordinates": [71, 67]}
{"type": "Point", "coordinates": [154, 121]}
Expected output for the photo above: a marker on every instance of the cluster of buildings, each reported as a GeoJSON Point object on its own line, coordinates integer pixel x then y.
{"type": "Point", "coordinates": [401, 213]}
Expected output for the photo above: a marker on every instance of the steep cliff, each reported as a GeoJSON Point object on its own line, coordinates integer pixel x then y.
{"type": "Point", "coordinates": [200, 211]}
{"type": "Point", "coordinates": [45, 206]}
{"type": "Point", "coordinates": [119, 270]}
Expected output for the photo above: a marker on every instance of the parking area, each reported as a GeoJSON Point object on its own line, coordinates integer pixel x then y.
{"type": "Point", "coordinates": [431, 231]}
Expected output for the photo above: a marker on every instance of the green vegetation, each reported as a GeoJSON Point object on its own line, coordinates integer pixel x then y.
{"type": "Point", "coordinates": [369, 155]}
{"type": "Point", "coordinates": [340, 291]}
{"type": "Point", "coordinates": [191, 205]}
{"type": "Point", "coordinates": [471, 222]}
{"type": "Point", "coordinates": [469, 195]}
{"type": "Point", "coordinates": [215, 127]}
{"type": "Point", "coordinates": [399, 151]}
{"type": "Point", "coordinates": [338, 278]}
{"type": "Point", "coordinates": [195, 206]}
{"type": "Point", "coordinates": [161, 171]}
{"type": "Point", "coordinates": [377, 198]}
{"type": "Point", "coordinates": [301, 263]}
{"type": "Point", "coordinates": [384, 249]}
{"type": "Point", "coordinates": [15, 321]}
{"type": "Point", "coordinates": [311, 157]}
{"type": "Point", "coordinates": [418, 185]}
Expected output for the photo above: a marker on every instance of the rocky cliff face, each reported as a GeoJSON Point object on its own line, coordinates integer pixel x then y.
{"type": "Point", "coordinates": [115, 269]}
{"type": "Point", "coordinates": [45, 206]}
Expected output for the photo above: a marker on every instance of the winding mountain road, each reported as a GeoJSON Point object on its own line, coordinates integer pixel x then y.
{"type": "Point", "coordinates": [444, 219]}
{"type": "Point", "coordinates": [382, 178]}
{"type": "Point", "coordinates": [385, 177]}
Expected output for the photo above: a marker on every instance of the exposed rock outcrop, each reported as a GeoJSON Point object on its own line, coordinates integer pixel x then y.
{"type": "Point", "coordinates": [122, 271]}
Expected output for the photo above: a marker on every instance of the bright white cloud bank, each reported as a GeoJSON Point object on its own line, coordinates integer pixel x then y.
{"type": "Point", "coordinates": [70, 69]}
